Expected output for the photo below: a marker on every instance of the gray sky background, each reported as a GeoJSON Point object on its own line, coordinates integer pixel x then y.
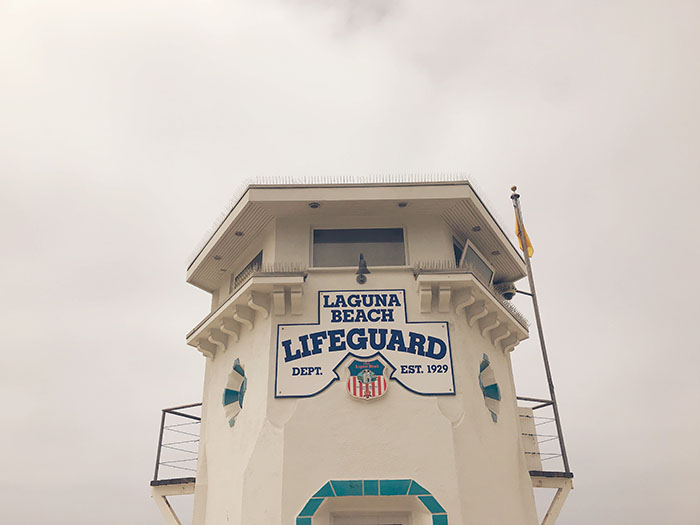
{"type": "Point", "coordinates": [126, 127]}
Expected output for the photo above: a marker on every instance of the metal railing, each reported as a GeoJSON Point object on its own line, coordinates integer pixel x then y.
{"type": "Point", "coordinates": [178, 442]}
{"type": "Point", "coordinates": [549, 441]}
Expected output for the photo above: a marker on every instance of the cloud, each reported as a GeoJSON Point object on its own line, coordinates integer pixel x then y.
{"type": "Point", "coordinates": [127, 127]}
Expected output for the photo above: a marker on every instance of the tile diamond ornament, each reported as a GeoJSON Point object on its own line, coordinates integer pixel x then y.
{"type": "Point", "coordinates": [489, 387]}
{"type": "Point", "coordinates": [234, 392]}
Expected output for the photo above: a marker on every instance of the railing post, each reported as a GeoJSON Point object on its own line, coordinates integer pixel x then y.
{"type": "Point", "coordinates": [160, 444]}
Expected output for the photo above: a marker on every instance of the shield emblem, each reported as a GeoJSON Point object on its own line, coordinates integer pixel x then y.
{"type": "Point", "coordinates": [366, 379]}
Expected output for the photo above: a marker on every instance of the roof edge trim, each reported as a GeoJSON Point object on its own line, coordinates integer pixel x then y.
{"type": "Point", "coordinates": [320, 181]}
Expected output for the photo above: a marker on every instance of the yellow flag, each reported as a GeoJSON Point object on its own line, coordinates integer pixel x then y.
{"type": "Point", "coordinates": [530, 249]}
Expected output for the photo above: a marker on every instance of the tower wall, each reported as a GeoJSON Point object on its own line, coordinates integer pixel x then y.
{"type": "Point", "coordinates": [281, 451]}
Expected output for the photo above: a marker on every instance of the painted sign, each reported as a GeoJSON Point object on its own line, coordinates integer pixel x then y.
{"type": "Point", "coordinates": [363, 324]}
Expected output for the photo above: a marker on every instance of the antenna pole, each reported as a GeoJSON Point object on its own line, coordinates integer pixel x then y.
{"type": "Point", "coordinates": [519, 217]}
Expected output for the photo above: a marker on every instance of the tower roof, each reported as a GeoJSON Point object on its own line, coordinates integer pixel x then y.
{"type": "Point", "coordinates": [454, 201]}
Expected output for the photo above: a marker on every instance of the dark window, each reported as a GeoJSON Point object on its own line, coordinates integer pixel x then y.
{"type": "Point", "coordinates": [458, 248]}
{"type": "Point", "coordinates": [379, 246]}
{"type": "Point", "coordinates": [242, 276]}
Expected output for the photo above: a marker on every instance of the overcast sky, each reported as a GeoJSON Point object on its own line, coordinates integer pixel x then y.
{"type": "Point", "coordinates": [126, 126]}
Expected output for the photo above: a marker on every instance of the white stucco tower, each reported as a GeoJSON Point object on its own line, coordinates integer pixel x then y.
{"type": "Point", "coordinates": [358, 363]}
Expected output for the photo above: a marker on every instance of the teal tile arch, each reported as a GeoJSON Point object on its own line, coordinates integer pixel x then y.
{"type": "Point", "coordinates": [372, 487]}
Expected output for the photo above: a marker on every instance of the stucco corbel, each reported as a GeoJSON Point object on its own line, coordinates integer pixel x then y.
{"type": "Point", "coordinates": [510, 342]}
{"type": "Point", "coordinates": [218, 338]}
{"type": "Point", "coordinates": [444, 294]}
{"type": "Point", "coordinates": [499, 334]}
{"type": "Point", "coordinates": [476, 312]}
{"type": "Point", "coordinates": [295, 296]}
{"type": "Point", "coordinates": [488, 323]}
{"type": "Point", "coordinates": [462, 299]}
{"type": "Point", "coordinates": [426, 298]}
{"type": "Point", "coordinates": [244, 315]}
{"type": "Point", "coordinates": [278, 305]}
{"type": "Point", "coordinates": [208, 349]}
{"type": "Point", "coordinates": [260, 302]}
{"type": "Point", "coordinates": [230, 327]}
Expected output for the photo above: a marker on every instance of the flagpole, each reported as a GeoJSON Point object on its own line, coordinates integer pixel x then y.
{"type": "Point", "coordinates": [523, 243]}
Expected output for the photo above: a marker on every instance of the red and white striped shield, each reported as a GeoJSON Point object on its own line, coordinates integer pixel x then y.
{"type": "Point", "coordinates": [366, 379]}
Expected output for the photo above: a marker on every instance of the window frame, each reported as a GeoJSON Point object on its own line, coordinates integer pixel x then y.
{"type": "Point", "coordinates": [346, 227]}
{"type": "Point", "coordinates": [469, 244]}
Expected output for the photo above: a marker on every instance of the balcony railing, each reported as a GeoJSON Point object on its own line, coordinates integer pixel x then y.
{"type": "Point", "coordinates": [544, 450]}
{"type": "Point", "coordinates": [178, 443]}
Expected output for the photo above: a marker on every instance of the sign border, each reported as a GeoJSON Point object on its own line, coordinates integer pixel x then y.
{"type": "Point", "coordinates": [391, 376]}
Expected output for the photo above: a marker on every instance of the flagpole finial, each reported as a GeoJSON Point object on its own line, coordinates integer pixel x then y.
{"type": "Point", "coordinates": [514, 196]}
{"type": "Point", "coordinates": [513, 188]}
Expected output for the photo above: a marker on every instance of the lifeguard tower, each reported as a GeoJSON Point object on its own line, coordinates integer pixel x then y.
{"type": "Point", "coordinates": [358, 366]}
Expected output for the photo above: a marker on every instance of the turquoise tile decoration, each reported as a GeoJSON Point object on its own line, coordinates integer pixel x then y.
{"type": "Point", "coordinates": [431, 504]}
{"type": "Point", "coordinates": [416, 489]}
{"type": "Point", "coordinates": [493, 392]}
{"type": "Point", "coordinates": [347, 488]}
{"type": "Point", "coordinates": [325, 492]}
{"type": "Point", "coordinates": [233, 395]}
{"type": "Point", "coordinates": [489, 388]}
{"type": "Point", "coordinates": [311, 506]}
{"type": "Point", "coordinates": [394, 487]}
{"type": "Point", "coordinates": [238, 368]}
{"type": "Point", "coordinates": [484, 363]}
{"type": "Point", "coordinates": [230, 396]}
{"type": "Point", "coordinates": [372, 487]}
